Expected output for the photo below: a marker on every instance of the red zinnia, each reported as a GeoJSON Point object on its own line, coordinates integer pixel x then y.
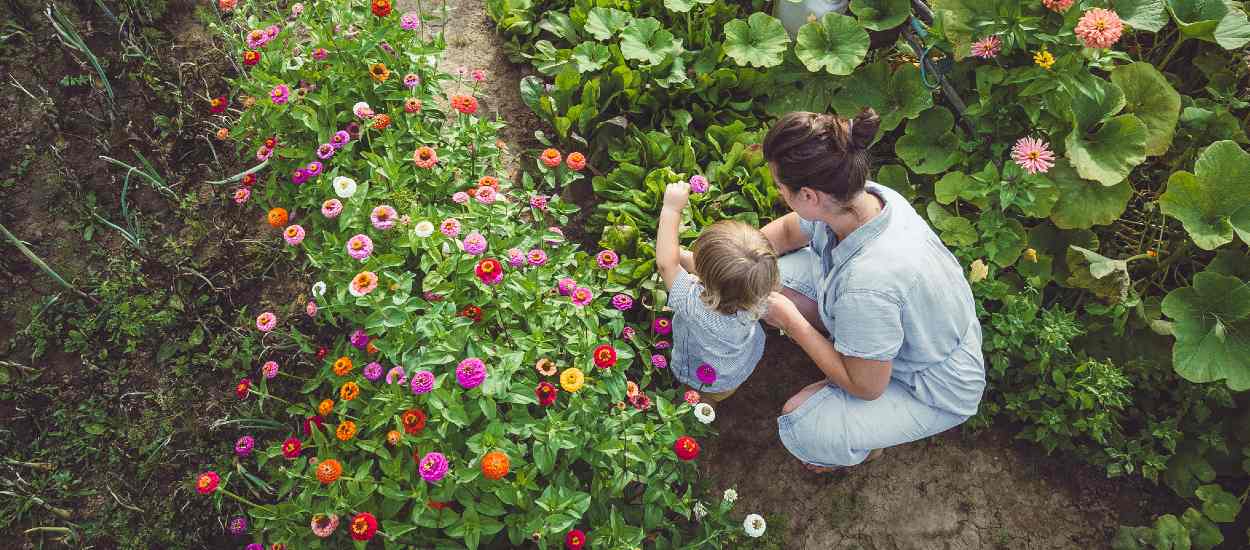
{"type": "Point", "coordinates": [576, 161]}
{"type": "Point", "coordinates": [546, 393]}
{"type": "Point", "coordinates": [291, 448]}
{"type": "Point", "coordinates": [605, 356]}
{"type": "Point", "coordinates": [251, 57]}
{"type": "Point", "coordinates": [217, 105]}
{"type": "Point", "coordinates": [413, 421]}
{"type": "Point", "coordinates": [381, 8]}
{"type": "Point", "coordinates": [364, 525]}
{"type": "Point", "coordinates": [207, 482]}
{"type": "Point", "coordinates": [686, 448]}
{"type": "Point", "coordinates": [489, 271]}
{"type": "Point", "coordinates": [466, 104]}
{"type": "Point", "coordinates": [249, 180]}
{"type": "Point", "coordinates": [575, 540]}
{"type": "Point", "coordinates": [315, 420]}
{"type": "Point", "coordinates": [472, 312]}
{"type": "Point", "coordinates": [243, 388]}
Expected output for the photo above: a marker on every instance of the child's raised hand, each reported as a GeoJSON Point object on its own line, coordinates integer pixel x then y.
{"type": "Point", "coordinates": [677, 195]}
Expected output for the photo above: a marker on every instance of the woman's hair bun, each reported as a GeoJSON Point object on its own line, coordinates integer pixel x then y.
{"type": "Point", "coordinates": [864, 128]}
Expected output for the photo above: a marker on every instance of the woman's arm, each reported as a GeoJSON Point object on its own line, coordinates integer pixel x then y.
{"type": "Point", "coordinates": [785, 234]}
{"type": "Point", "coordinates": [863, 378]}
{"type": "Point", "coordinates": [667, 247]}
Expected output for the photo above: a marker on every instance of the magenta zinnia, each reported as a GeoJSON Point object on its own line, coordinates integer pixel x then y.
{"type": "Point", "coordinates": [471, 373]}
{"type": "Point", "coordinates": [422, 382]}
{"type": "Point", "coordinates": [1033, 154]}
{"type": "Point", "coordinates": [607, 259]}
{"type": "Point", "coordinates": [1099, 28]}
{"type": "Point", "coordinates": [266, 322]}
{"type": "Point", "coordinates": [581, 296]}
{"type": "Point", "coordinates": [433, 467]}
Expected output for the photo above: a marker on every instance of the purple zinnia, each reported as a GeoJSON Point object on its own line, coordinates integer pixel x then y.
{"type": "Point", "coordinates": [299, 176]}
{"type": "Point", "coordinates": [411, 80]}
{"type": "Point", "coordinates": [536, 257]}
{"type": "Point", "coordinates": [410, 21]}
{"type": "Point", "coordinates": [255, 546]}
{"type": "Point", "coordinates": [516, 258]}
{"type": "Point", "coordinates": [622, 302]}
{"type": "Point", "coordinates": [607, 259]}
{"type": "Point", "coordinates": [243, 447]}
{"type": "Point", "coordinates": [706, 373]}
{"type": "Point", "coordinates": [314, 169]}
{"type": "Point", "coordinates": [396, 375]}
{"type": "Point", "coordinates": [471, 373]}
{"type": "Point", "coordinates": [627, 333]}
{"type": "Point", "coordinates": [339, 139]}
{"type": "Point", "coordinates": [280, 94]}
{"type": "Point", "coordinates": [422, 382]}
{"type": "Point", "coordinates": [659, 361]}
{"type": "Point", "coordinates": [474, 243]}
{"type": "Point", "coordinates": [359, 339]}
{"type": "Point", "coordinates": [373, 371]}
{"type": "Point", "coordinates": [566, 286]}
{"type": "Point", "coordinates": [237, 525]}
{"type": "Point", "coordinates": [698, 184]}
{"type": "Point", "coordinates": [325, 151]}
{"type": "Point", "coordinates": [433, 467]}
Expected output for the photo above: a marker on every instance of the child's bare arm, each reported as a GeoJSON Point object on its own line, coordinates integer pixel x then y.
{"type": "Point", "coordinates": [687, 260]}
{"type": "Point", "coordinates": [667, 247]}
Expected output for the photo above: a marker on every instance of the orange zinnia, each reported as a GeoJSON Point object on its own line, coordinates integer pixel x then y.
{"type": "Point", "coordinates": [343, 366]}
{"type": "Point", "coordinates": [489, 181]}
{"type": "Point", "coordinates": [328, 470]}
{"type": "Point", "coordinates": [551, 158]}
{"type": "Point", "coordinates": [277, 217]}
{"type": "Point", "coordinates": [393, 437]}
{"type": "Point", "coordinates": [380, 122]}
{"type": "Point", "coordinates": [576, 161]}
{"type": "Point", "coordinates": [326, 407]}
{"type": "Point", "coordinates": [379, 72]}
{"type": "Point", "coordinates": [346, 430]}
{"type": "Point", "coordinates": [349, 391]}
{"type": "Point", "coordinates": [495, 465]}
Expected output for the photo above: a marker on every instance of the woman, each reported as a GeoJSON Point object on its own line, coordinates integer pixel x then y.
{"type": "Point", "coordinates": [871, 294]}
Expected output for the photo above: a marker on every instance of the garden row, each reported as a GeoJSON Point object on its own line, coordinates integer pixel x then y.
{"type": "Point", "coordinates": [478, 381]}
{"type": "Point", "coordinates": [1090, 173]}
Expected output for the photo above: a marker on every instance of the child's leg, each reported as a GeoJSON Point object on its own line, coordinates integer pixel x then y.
{"type": "Point", "coordinates": [716, 397]}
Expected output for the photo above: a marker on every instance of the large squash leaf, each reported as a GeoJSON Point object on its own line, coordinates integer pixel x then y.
{"type": "Point", "coordinates": [1147, 15]}
{"type": "Point", "coordinates": [1109, 154]}
{"type": "Point", "coordinates": [1083, 203]}
{"type": "Point", "coordinates": [1214, 202]}
{"type": "Point", "coordinates": [759, 41]}
{"type": "Point", "coordinates": [1212, 329]}
{"type": "Point", "coordinates": [1216, 21]}
{"type": "Point", "coordinates": [895, 96]}
{"type": "Point", "coordinates": [960, 20]}
{"type": "Point", "coordinates": [645, 40]}
{"type": "Point", "coordinates": [835, 43]}
{"type": "Point", "coordinates": [1150, 97]}
{"type": "Point", "coordinates": [928, 146]}
{"type": "Point", "coordinates": [604, 23]}
{"type": "Point", "coordinates": [880, 15]}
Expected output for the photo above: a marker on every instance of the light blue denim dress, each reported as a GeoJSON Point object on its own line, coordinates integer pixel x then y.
{"type": "Point", "coordinates": [890, 292]}
{"type": "Point", "coordinates": [732, 344]}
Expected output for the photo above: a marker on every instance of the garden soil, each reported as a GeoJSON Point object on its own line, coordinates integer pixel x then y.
{"type": "Point", "coordinates": [956, 491]}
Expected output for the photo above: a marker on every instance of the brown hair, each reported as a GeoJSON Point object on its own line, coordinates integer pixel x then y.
{"type": "Point", "coordinates": [825, 152]}
{"type": "Point", "coordinates": [737, 266]}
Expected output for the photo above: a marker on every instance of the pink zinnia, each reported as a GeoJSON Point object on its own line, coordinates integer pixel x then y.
{"type": "Point", "coordinates": [485, 195]}
{"type": "Point", "coordinates": [607, 259]}
{"type": "Point", "coordinates": [706, 373]}
{"type": "Point", "coordinates": [310, 308]}
{"type": "Point", "coordinates": [280, 93]}
{"type": "Point", "coordinates": [565, 286]}
{"type": "Point", "coordinates": [471, 373]}
{"type": "Point", "coordinates": [360, 247]}
{"type": "Point", "coordinates": [433, 467]}
{"type": "Point", "coordinates": [627, 333]}
{"type": "Point", "coordinates": [266, 322]}
{"type": "Point", "coordinates": [659, 361]}
{"type": "Point", "coordinates": [450, 227]}
{"type": "Point", "coordinates": [622, 302]}
{"type": "Point", "coordinates": [1058, 6]}
{"type": "Point", "coordinates": [323, 525]}
{"type": "Point", "coordinates": [331, 208]}
{"type": "Point", "coordinates": [269, 369]}
{"type": "Point", "coordinates": [1099, 28]}
{"type": "Point", "coordinates": [536, 257]}
{"type": "Point", "coordinates": [474, 243]}
{"type": "Point", "coordinates": [987, 47]}
{"type": "Point", "coordinates": [692, 397]}
{"type": "Point", "coordinates": [460, 197]}
{"type": "Point", "coordinates": [479, 75]}
{"type": "Point", "coordinates": [241, 195]}
{"type": "Point", "coordinates": [539, 202]}
{"type": "Point", "coordinates": [410, 21]}
{"type": "Point", "coordinates": [581, 296]}
{"type": "Point", "coordinates": [264, 153]}
{"type": "Point", "coordinates": [363, 283]}
{"type": "Point", "coordinates": [516, 258]}
{"type": "Point", "coordinates": [294, 234]}
{"type": "Point", "coordinates": [1033, 154]}
{"type": "Point", "coordinates": [411, 80]}
{"type": "Point", "coordinates": [396, 375]}
{"type": "Point", "coordinates": [320, 54]}
{"type": "Point", "coordinates": [384, 217]}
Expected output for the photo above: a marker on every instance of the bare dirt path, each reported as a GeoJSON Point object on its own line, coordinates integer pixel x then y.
{"type": "Point", "coordinates": [955, 491]}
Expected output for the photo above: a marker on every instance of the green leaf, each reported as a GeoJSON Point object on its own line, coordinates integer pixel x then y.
{"type": "Point", "coordinates": [645, 40]}
{"type": "Point", "coordinates": [1215, 21]}
{"type": "Point", "coordinates": [604, 23]}
{"type": "Point", "coordinates": [1109, 154]}
{"type": "Point", "coordinates": [954, 230]}
{"type": "Point", "coordinates": [759, 41]}
{"type": "Point", "coordinates": [1169, 534]}
{"type": "Point", "coordinates": [960, 21]}
{"type": "Point", "coordinates": [1100, 266]}
{"type": "Point", "coordinates": [1152, 99]}
{"type": "Point", "coordinates": [880, 15]}
{"type": "Point", "coordinates": [895, 177]}
{"type": "Point", "coordinates": [591, 56]}
{"type": "Point", "coordinates": [1213, 202]}
{"type": "Point", "coordinates": [1082, 203]}
{"type": "Point", "coordinates": [834, 43]}
{"type": "Point", "coordinates": [929, 146]}
{"type": "Point", "coordinates": [1217, 504]}
{"type": "Point", "coordinates": [1204, 534]}
{"type": "Point", "coordinates": [1146, 15]}
{"type": "Point", "coordinates": [895, 96]}
{"type": "Point", "coordinates": [1187, 470]}
{"type": "Point", "coordinates": [1212, 330]}
{"type": "Point", "coordinates": [683, 6]}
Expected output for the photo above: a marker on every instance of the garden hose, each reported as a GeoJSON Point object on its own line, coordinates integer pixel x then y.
{"type": "Point", "coordinates": [914, 34]}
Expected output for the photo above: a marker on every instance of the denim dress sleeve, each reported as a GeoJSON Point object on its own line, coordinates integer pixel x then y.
{"type": "Point", "coordinates": [870, 325]}
{"type": "Point", "coordinates": [683, 297]}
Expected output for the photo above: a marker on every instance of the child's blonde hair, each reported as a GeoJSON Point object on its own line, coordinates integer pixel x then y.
{"type": "Point", "coordinates": [737, 266]}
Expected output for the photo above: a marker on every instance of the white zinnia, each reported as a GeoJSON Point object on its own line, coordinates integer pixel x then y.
{"type": "Point", "coordinates": [704, 413]}
{"type": "Point", "coordinates": [730, 496]}
{"type": "Point", "coordinates": [423, 229]}
{"type": "Point", "coordinates": [754, 525]}
{"type": "Point", "coordinates": [344, 187]}
{"type": "Point", "coordinates": [319, 289]}
{"type": "Point", "coordinates": [700, 511]}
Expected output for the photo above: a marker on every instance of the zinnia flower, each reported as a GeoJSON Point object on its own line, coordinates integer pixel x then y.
{"type": "Point", "coordinates": [1044, 59]}
{"type": "Point", "coordinates": [325, 407]}
{"type": "Point", "coordinates": [631, 388]}
{"type": "Point", "coordinates": [241, 195]}
{"type": "Point", "coordinates": [422, 382]}
{"type": "Point", "coordinates": [551, 158]}
{"type": "Point", "coordinates": [605, 356]}
{"type": "Point", "coordinates": [346, 430]}
{"type": "Point", "coordinates": [474, 243]}
{"type": "Point", "coordinates": [433, 467]}
{"type": "Point", "coordinates": [1099, 28]}
{"type": "Point", "coordinates": [328, 471]}
{"type": "Point", "coordinates": [299, 176]}
{"type": "Point", "coordinates": [485, 195]}
{"type": "Point", "coordinates": [276, 217]}
{"type": "Point", "coordinates": [340, 139]}
{"type": "Point", "coordinates": [686, 448]}
{"type": "Point", "coordinates": [566, 286]}
{"type": "Point", "coordinates": [478, 75]}
{"type": "Point", "coordinates": [362, 110]}
{"type": "Point", "coordinates": [294, 234]}
{"type": "Point", "coordinates": [269, 369]}
{"type": "Point", "coordinates": [343, 366]}
{"type": "Point", "coordinates": [706, 373]}
{"type": "Point", "coordinates": [383, 217]}
{"type": "Point", "coordinates": [572, 379]}
{"type": "Point", "coordinates": [263, 153]}
{"type": "Point", "coordinates": [217, 105]}
{"type": "Point", "coordinates": [425, 157]}
{"type": "Point", "coordinates": [495, 465]}
{"type": "Point", "coordinates": [373, 371]}
{"type": "Point", "coordinates": [266, 322]}
{"type": "Point", "coordinates": [226, 5]}
{"type": "Point", "coordinates": [539, 202]}
{"type": "Point", "coordinates": [364, 525]}
{"type": "Point", "coordinates": [344, 187]}
{"type": "Point", "coordinates": [1032, 154]}
{"type": "Point", "coordinates": [280, 94]}
{"type": "Point", "coordinates": [207, 482]}
{"type": "Point", "coordinates": [546, 393]}
{"type": "Point", "coordinates": [471, 373]}
{"type": "Point", "coordinates": [659, 361]}
{"type": "Point", "coordinates": [256, 38]}
{"type": "Point", "coordinates": [244, 445]}
{"type": "Point", "coordinates": [545, 367]}
{"type": "Point", "coordinates": [349, 391]}
{"type": "Point", "coordinates": [536, 257]}
{"type": "Point", "coordinates": [314, 168]}
{"type": "Point", "coordinates": [360, 247]}
{"type": "Point", "coordinates": [413, 421]}
{"type": "Point", "coordinates": [412, 105]}
{"type": "Point", "coordinates": [691, 397]}
{"type": "Point", "coordinates": [396, 375]}
{"type": "Point", "coordinates": [704, 413]}
{"type": "Point", "coordinates": [627, 333]}
{"type": "Point", "coordinates": [489, 271]}
{"type": "Point", "coordinates": [323, 525]}
{"type": "Point", "coordinates": [662, 326]}
{"type": "Point", "coordinates": [291, 448]}
{"type": "Point", "coordinates": [466, 104]}
{"type": "Point", "coordinates": [380, 8]}
{"type": "Point", "coordinates": [460, 197]}
{"type": "Point", "coordinates": [237, 526]}
{"type": "Point", "coordinates": [576, 161]}
{"type": "Point", "coordinates": [754, 526]}
{"type": "Point", "coordinates": [622, 302]}
{"type": "Point", "coordinates": [516, 258]}
{"type": "Point", "coordinates": [325, 151]}
{"type": "Point", "coordinates": [363, 283]}
{"type": "Point", "coordinates": [320, 54]}
{"type": "Point", "coordinates": [575, 540]}
{"type": "Point", "coordinates": [378, 72]}
{"type": "Point", "coordinates": [581, 296]}
{"type": "Point", "coordinates": [450, 227]}
{"type": "Point", "coordinates": [663, 344]}
{"type": "Point", "coordinates": [987, 47]}
{"type": "Point", "coordinates": [331, 208]}
{"type": "Point", "coordinates": [698, 184]}
{"type": "Point", "coordinates": [410, 21]}
{"type": "Point", "coordinates": [607, 259]}
{"type": "Point", "coordinates": [1058, 6]}
{"type": "Point", "coordinates": [640, 401]}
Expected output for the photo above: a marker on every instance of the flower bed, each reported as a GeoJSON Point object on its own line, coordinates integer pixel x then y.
{"type": "Point", "coordinates": [482, 386]}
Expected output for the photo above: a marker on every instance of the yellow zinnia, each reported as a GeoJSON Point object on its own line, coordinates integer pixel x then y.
{"type": "Point", "coordinates": [1044, 59]}
{"type": "Point", "coordinates": [572, 379]}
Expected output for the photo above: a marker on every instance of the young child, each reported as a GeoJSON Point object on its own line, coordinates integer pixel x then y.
{"type": "Point", "coordinates": [717, 337]}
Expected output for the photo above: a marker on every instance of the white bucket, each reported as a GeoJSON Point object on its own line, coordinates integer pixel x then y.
{"type": "Point", "coordinates": [793, 15]}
